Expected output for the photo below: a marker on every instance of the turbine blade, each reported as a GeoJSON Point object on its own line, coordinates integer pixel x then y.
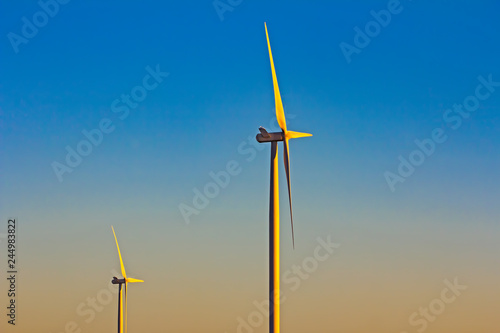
{"type": "Point", "coordinates": [264, 132]}
{"type": "Point", "coordinates": [294, 135]}
{"type": "Point", "coordinates": [286, 157]}
{"type": "Point", "coordinates": [280, 113]}
{"type": "Point", "coordinates": [120, 255]}
{"type": "Point", "coordinates": [132, 280]}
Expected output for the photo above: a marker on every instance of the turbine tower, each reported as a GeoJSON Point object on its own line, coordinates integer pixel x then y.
{"type": "Point", "coordinates": [120, 282]}
{"type": "Point", "coordinates": [274, 228]}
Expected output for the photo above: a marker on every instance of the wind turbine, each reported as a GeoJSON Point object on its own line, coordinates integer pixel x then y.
{"type": "Point", "coordinates": [274, 228]}
{"type": "Point", "coordinates": [119, 282]}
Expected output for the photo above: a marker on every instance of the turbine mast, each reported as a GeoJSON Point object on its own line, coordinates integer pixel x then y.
{"type": "Point", "coordinates": [274, 244]}
{"type": "Point", "coordinates": [120, 308]}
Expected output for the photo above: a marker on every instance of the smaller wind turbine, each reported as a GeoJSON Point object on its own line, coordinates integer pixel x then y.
{"type": "Point", "coordinates": [119, 282]}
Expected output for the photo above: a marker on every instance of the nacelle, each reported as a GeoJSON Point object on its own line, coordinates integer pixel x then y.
{"type": "Point", "coordinates": [117, 280]}
{"type": "Point", "coordinates": [265, 136]}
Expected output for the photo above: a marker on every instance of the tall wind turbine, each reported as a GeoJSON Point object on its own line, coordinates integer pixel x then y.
{"type": "Point", "coordinates": [119, 282]}
{"type": "Point", "coordinates": [274, 228]}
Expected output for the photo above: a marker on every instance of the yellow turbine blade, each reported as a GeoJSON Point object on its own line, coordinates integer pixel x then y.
{"type": "Point", "coordinates": [119, 254]}
{"type": "Point", "coordinates": [280, 113]}
{"type": "Point", "coordinates": [286, 160]}
{"type": "Point", "coordinates": [132, 280]}
{"type": "Point", "coordinates": [286, 154]}
{"type": "Point", "coordinates": [294, 135]}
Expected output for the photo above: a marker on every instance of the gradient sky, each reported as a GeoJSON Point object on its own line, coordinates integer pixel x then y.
{"type": "Point", "coordinates": [396, 247]}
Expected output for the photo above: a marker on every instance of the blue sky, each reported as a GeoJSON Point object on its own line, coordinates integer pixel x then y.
{"type": "Point", "coordinates": [363, 114]}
